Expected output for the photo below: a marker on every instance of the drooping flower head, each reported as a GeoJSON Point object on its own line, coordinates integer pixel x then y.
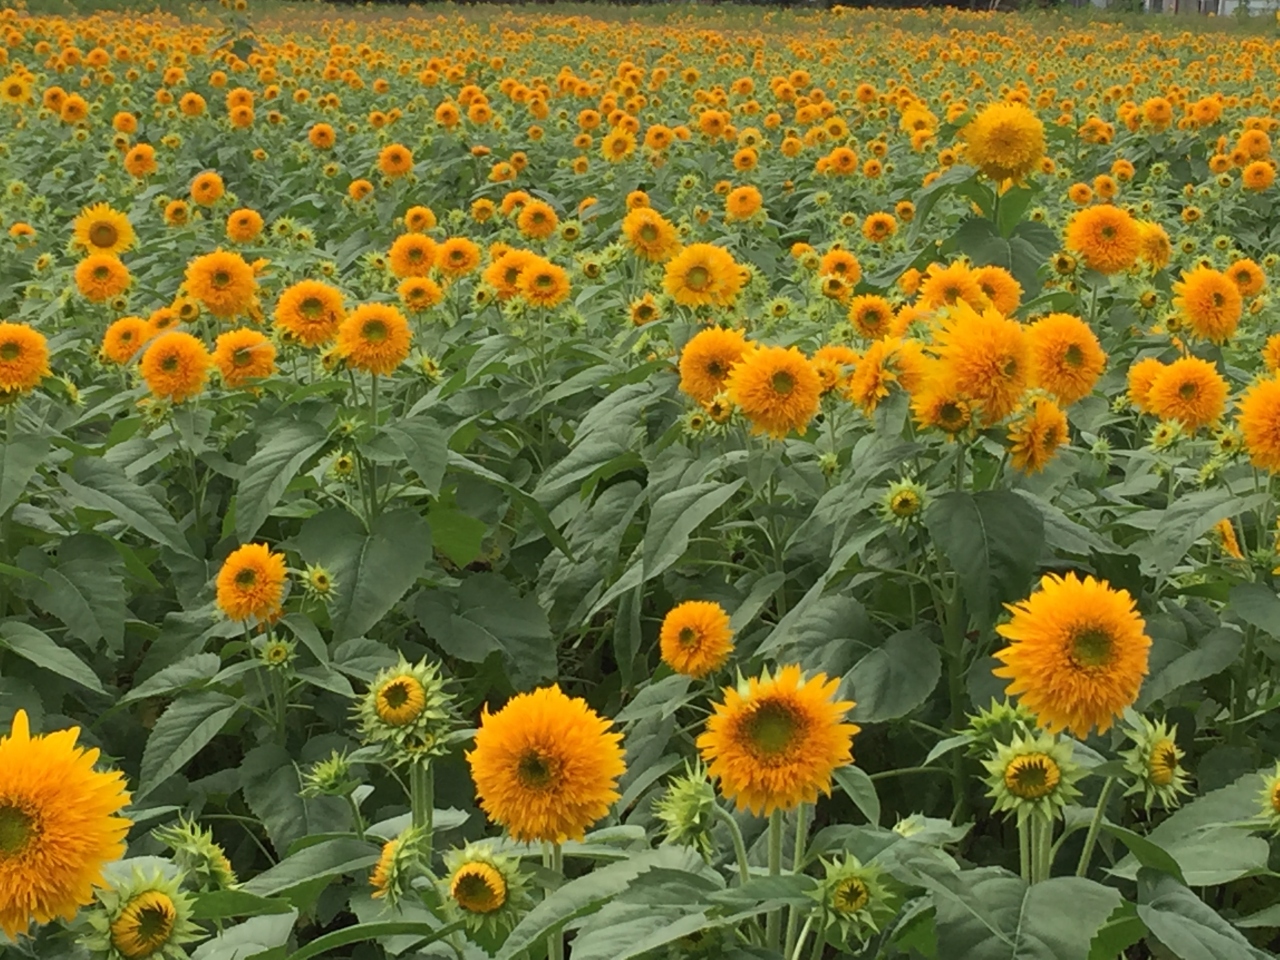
{"type": "Point", "coordinates": [1155, 761]}
{"type": "Point", "coordinates": [546, 766]}
{"type": "Point", "coordinates": [59, 825]}
{"type": "Point", "coordinates": [144, 916]}
{"type": "Point", "coordinates": [201, 859]}
{"type": "Point", "coordinates": [775, 740]}
{"type": "Point", "coordinates": [1077, 653]}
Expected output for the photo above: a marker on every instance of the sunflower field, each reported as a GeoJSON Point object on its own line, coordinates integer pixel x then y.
{"type": "Point", "coordinates": [688, 483]}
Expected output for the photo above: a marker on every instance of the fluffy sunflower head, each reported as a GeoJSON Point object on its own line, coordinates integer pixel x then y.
{"type": "Point", "coordinates": [309, 312]}
{"type": "Point", "coordinates": [1077, 653]}
{"type": "Point", "coordinates": [1005, 141]}
{"type": "Point", "coordinates": [223, 282]}
{"type": "Point", "coordinates": [1033, 776]}
{"type": "Point", "coordinates": [175, 366]}
{"type": "Point", "coordinates": [374, 338]}
{"type": "Point", "coordinates": [122, 340]}
{"type": "Point", "coordinates": [409, 709]}
{"type": "Point", "coordinates": [774, 741]}
{"type": "Point", "coordinates": [946, 286]}
{"type": "Point", "coordinates": [986, 359]}
{"type": "Point", "coordinates": [1189, 391]}
{"type": "Point", "coordinates": [485, 889]}
{"type": "Point", "coordinates": [546, 766]}
{"type": "Point", "coordinates": [1259, 422]}
{"type": "Point", "coordinates": [58, 825]}
{"type": "Point", "coordinates": [1066, 357]}
{"type": "Point", "coordinates": [251, 583]}
{"type": "Point", "coordinates": [695, 638]}
{"type": "Point", "coordinates": [707, 359]}
{"type": "Point", "coordinates": [100, 229]}
{"type": "Point", "coordinates": [650, 235]}
{"type": "Point", "coordinates": [1036, 434]}
{"type": "Point", "coordinates": [888, 362]}
{"type": "Point", "coordinates": [703, 275]}
{"type": "Point", "coordinates": [101, 276]}
{"type": "Point", "coordinates": [1142, 374]}
{"type": "Point", "coordinates": [24, 358]}
{"type": "Point", "coordinates": [1107, 238]}
{"type": "Point", "coordinates": [776, 388]}
{"type": "Point", "coordinates": [457, 257]}
{"type": "Point", "coordinates": [1155, 761]}
{"type": "Point", "coordinates": [543, 283]}
{"type": "Point", "coordinates": [412, 255]}
{"type": "Point", "coordinates": [143, 916]}
{"type": "Point", "coordinates": [1209, 303]}
{"type": "Point", "coordinates": [242, 356]}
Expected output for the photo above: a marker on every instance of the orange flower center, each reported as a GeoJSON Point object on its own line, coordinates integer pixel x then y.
{"type": "Point", "coordinates": [17, 829]}
{"type": "Point", "coordinates": [103, 235]}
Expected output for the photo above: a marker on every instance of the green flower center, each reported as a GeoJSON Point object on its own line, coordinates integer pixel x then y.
{"type": "Point", "coordinates": [10, 351]}
{"type": "Point", "coordinates": [17, 828]}
{"type": "Point", "coordinates": [698, 278]}
{"type": "Point", "coordinates": [535, 771]}
{"type": "Point", "coordinates": [1091, 647]}
{"type": "Point", "coordinates": [850, 896]}
{"type": "Point", "coordinates": [783, 383]}
{"type": "Point", "coordinates": [374, 331]}
{"type": "Point", "coordinates": [772, 728]}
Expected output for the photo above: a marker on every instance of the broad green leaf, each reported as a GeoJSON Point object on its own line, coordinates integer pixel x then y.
{"type": "Point", "coordinates": [1189, 518]}
{"type": "Point", "coordinates": [195, 670]}
{"type": "Point", "coordinates": [892, 680]}
{"type": "Point", "coordinates": [622, 930]}
{"type": "Point", "coordinates": [1122, 930]}
{"type": "Point", "coordinates": [993, 540]}
{"type": "Point", "coordinates": [248, 940]}
{"type": "Point", "coordinates": [1257, 604]}
{"type": "Point", "coordinates": [676, 516]}
{"type": "Point", "coordinates": [1267, 917]}
{"type": "Point", "coordinates": [221, 904]}
{"type": "Point", "coordinates": [1215, 651]}
{"type": "Point", "coordinates": [286, 448]}
{"type": "Point", "coordinates": [455, 534]}
{"type": "Point", "coordinates": [183, 730]}
{"type": "Point", "coordinates": [424, 933]}
{"type": "Point", "coordinates": [990, 914]}
{"type": "Point", "coordinates": [1147, 853]}
{"type": "Point", "coordinates": [536, 511]}
{"type": "Point", "coordinates": [88, 596]}
{"type": "Point", "coordinates": [271, 789]}
{"type": "Point", "coordinates": [99, 485]}
{"type": "Point", "coordinates": [1185, 924]}
{"type": "Point", "coordinates": [372, 571]}
{"type": "Point", "coordinates": [425, 445]}
{"type": "Point", "coordinates": [19, 458]}
{"type": "Point", "coordinates": [587, 894]}
{"type": "Point", "coordinates": [861, 789]}
{"type": "Point", "coordinates": [328, 858]}
{"type": "Point", "coordinates": [37, 647]}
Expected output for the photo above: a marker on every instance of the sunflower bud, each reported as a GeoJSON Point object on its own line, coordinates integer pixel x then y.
{"type": "Point", "coordinates": [998, 723]}
{"type": "Point", "coordinates": [197, 855]}
{"type": "Point", "coordinates": [485, 889]}
{"type": "Point", "coordinates": [399, 865]}
{"type": "Point", "coordinates": [1156, 763]}
{"type": "Point", "coordinates": [147, 915]}
{"type": "Point", "coordinates": [903, 501]}
{"type": "Point", "coordinates": [330, 777]}
{"type": "Point", "coordinates": [855, 899]}
{"type": "Point", "coordinates": [1034, 776]}
{"type": "Point", "coordinates": [408, 709]}
{"type": "Point", "coordinates": [317, 582]}
{"type": "Point", "coordinates": [688, 809]}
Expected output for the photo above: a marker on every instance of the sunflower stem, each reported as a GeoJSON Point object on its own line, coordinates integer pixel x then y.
{"type": "Point", "coordinates": [804, 935]}
{"type": "Point", "coordinates": [797, 864]}
{"type": "Point", "coordinates": [1094, 825]}
{"type": "Point", "coordinates": [819, 943]}
{"type": "Point", "coordinates": [357, 819]}
{"type": "Point", "coordinates": [422, 801]}
{"type": "Point", "coordinates": [739, 845]}
{"type": "Point", "coordinates": [773, 926]}
{"type": "Point", "coordinates": [555, 941]}
{"type": "Point", "coordinates": [1024, 849]}
{"type": "Point", "coordinates": [1041, 849]}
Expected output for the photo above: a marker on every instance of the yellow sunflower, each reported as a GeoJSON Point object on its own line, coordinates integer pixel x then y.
{"type": "Point", "coordinates": [650, 235]}
{"type": "Point", "coordinates": [703, 275]}
{"type": "Point", "coordinates": [775, 741]}
{"type": "Point", "coordinates": [1210, 303]}
{"type": "Point", "coordinates": [707, 359]}
{"type": "Point", "coordinates": [310, 312]}
{"type": "Point", "coordinates": [375, 338]}
{"type": "Point", "coordinates": [1034, 437]}
{"type": "Point", "coordinates": [251, 583]}
{"type": "Point", "coordinates": [100, 229]}
{"type": "Point", "coordinates": [695, 638]}
{"type": "Point", "coordinates": [1077, 653]}
{"type": "Point", "coordinates": [986, 357]}
{"type": "Point", "coordinates": [175, 366]}
{"type": "Point", "coordinates": [24, 358]}
{"type": "Point", "coordinates": [242, 356]}
{"type": "Point", "coordinates": [223, 282]}
{"type": "Point", "coordinates": [1066, 357]}
{"type": "Point", "coordinates": [1259, 421]}
{"type": "Point", "coordinates": [58, 825]}
{"type": "Point", "coordinates": [543, 283]}
{"type": "Point", "coordinates": [776, 388]}
{"type": "Point", "coordinates": [1190, 391]}
{"type": "Point", "coordinates": [1005, 141]}
{"type": "Point", "coordinates": [412, 255]}
{"type": "Point", "coordinates": [546, 766]}
{"type": "Point", "coordinates": [121, 342]}
{"type": "Point", "coordinates": [1106, 237]}
{"type": "Point", "coordinates": [101, 276]}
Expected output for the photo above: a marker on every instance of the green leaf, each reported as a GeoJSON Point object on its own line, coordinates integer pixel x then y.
{"type": "Point", "coordinates": [892, 680]}
{"type": "Point", "coordinates": [990, 914]}
{"type": "Point", "coordinates": [623, 930]}
{"type": "Point", "coordinates": [375, 930]}
{"type": "Point", "coordinates": [455, 534]}
{"type": "Point", "coordinates": [993, 540]}
{"type": "Point", "coordinates": [19, 458]}
{"type": "Point", "coordinates": [425, 445]}
{"type": "Point", "coordinates": [88, 596]}
{"type": "Point", "coordinates": [674, 518]}
{"type": "Point", "coordinates": [1188, 519]}
{"type": "Point", "coordinates": [195, 670]}
{"type": "Point", "coordinates": [221, 904]}
{"type": "Point", "coordinates": [1122, 930]}
{"type": "Point", "coordinates": [248, 940]}
{"type": "Point", "coordinates": [271, 789]}
{"type": "Point", "coordinates": [37, 647]}
{"type": "Point", "coordinates": [1216, 650]}
{"type": "Point", "coordinates": [271, 469]}
{"type": "Point", "coordinates": [1185, 924]}
{"type": "Point", "coordinates": [539, 514]}
{"type": "Point", "coordinates": [1267, 917]}
{"type": "Point", "coordinates": [328, 858]}
{"type": "Point", "coordinates": [182, 731]}
{"type": "Point", "coordinates": [372, 571]}
{"type": "Point", "coordinates": [1146, 852]}
{"type": "Point", "coordinates": [493, 616]}
{"type": "Point", "coordinates": [587, 894]}
{"type": "Point", "coordinates": [1257, 604]}
{"type": "Point", "coordinates": [100, 485]}
{"type": "Point", "coordinates": [861, 789]}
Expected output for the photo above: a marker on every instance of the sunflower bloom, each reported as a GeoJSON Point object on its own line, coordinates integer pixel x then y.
{"type": "Point", "coordinates": [1259, 421]}
{"type": "Point", "coordinates": [546, 766]}
{"type": "Point", "coordinates": [175, 366]}
{"type": "Point", "coordinates": [987, 358]}
{"type": "Point", "coordinates": [543, 284]}
{"type": "Point", "coordinates": [1190, 391]}
{"type": "Point", "coordinates": [251, 583]}
{"type": "Point", "coordinates": [650, 235]}
{"type": "Point", "coordinates": [777, 389]}
{"type": "Point", "coordinates": [775, 741]}
{"type": "Point", "coordinates": [310, 312]}
{"type": "Point", "coordinates": [1077, 653]}
{"type": "Point", "coordinates": [100, 229]}
{"type": "Point", "coordinates": [412, 255]}
{"type": "Point", "coordinates": [1035, 436]}
{"type": "Point", "coordinates": [224, 283]}
{"type": "Point", "coordinates": [696, 638]}
{"type": "Point", "coordinates": [703, 275]}
{"type": "Point", "coordinates": [707, 359]}
{"type": "Point", "coordinates": [1066, 358]}
{"type": "Point", "coordinates": [24, 358]}
{"type": "Point", "coordinates": [243, 355]}
{"type": "Point", "coordinates": [101, 276]}
{"type": "Point", "coordinates": [122, 340]}
{"type": "Point", "coordinates": [375, 338]}
{"type": "Point", "coordinates": [1005, 141]}
{"type": "Point", "coordinates": [1210, 303]}
{"type": "Point", "coordinates": [1106, 237]}
{"type": "Point", "coordinates": [58, 825]}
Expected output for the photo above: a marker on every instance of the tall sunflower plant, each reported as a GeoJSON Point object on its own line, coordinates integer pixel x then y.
{"type": "Point", "coordinates": [771, 484]}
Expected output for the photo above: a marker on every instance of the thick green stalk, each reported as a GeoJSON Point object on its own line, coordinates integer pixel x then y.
{"type": "Point", "coordinates": [422, 802]}
{"type": "Point", "coordinates": [1094, 825]}
{"type": "Point", "coordinates": [1024, 849]}
{"type": "Point", "coordinates": [739, 845]}
{"type": "Point", "coordinates": [555, 941]}
{"type": "Point", "coordinates": [797, 864]}
{"type": "Point", "coordinates": [773, 926]}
